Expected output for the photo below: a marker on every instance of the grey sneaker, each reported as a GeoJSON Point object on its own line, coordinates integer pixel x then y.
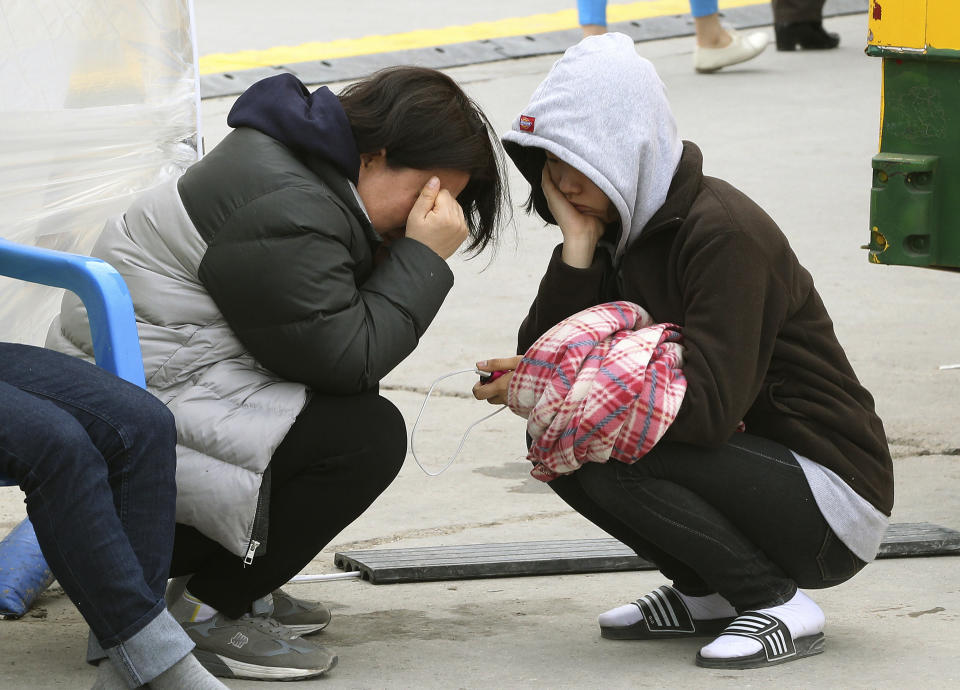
{"type": "Point", "coordinates": [256, 647]}
{"type": "Point", "coordinates": [299, 615]}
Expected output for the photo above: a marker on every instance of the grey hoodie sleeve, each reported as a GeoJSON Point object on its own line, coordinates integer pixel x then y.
{"type": "Point", "coordinates": [564, 290]}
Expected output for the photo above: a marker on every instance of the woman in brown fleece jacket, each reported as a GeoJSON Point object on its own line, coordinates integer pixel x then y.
{"type": "Point", "coordinates": [737, 521]}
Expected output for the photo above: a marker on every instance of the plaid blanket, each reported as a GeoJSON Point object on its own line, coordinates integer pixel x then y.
{"type": "Point", "coordinates": [603, 383]}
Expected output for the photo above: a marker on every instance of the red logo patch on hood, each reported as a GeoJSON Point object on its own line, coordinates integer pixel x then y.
{"type": "Point", "coordinates": [526, 123]}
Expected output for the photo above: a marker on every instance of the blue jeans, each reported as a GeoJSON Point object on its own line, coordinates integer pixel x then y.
{"type": "Point", "coordinates": [595, 11]}
{"type": "Point", "coordinates": [96, 458]}
{"type": "Point", "coordinates": [739, 520]}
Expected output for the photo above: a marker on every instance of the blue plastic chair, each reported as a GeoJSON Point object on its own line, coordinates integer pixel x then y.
{"type": "Point", "coordinates": [116, 348]}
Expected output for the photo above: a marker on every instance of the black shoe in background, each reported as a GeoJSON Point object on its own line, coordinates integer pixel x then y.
{"type": "Point", "coordinates": [805, 35]}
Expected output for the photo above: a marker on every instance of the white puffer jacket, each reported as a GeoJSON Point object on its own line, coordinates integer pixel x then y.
{"type": "Point", "coordinates": [231, 413]}
{"type": "Point", "coordinates": [254, 282]}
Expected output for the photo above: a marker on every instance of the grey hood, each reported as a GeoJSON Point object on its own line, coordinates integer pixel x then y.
{"type": "Point", "coordinates": [602, 109]}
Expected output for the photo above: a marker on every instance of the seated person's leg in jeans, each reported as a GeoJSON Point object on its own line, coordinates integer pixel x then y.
{"type": "Point", "coordinates": [96, 457]}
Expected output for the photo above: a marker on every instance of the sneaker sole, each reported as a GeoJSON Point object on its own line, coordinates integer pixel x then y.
{"type": "Point", "coordinates": [224, 667]}
{"type": "Point", "coordinates": [305, 628]}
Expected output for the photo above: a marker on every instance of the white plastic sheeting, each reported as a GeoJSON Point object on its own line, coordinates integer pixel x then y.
{"type": "Point", "coordinates": [99, 100]}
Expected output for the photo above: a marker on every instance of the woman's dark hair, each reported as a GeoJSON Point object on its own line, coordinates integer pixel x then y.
{"type": "Point", "coordinates": [424, 120]}
{"type": "Point", "coordinates": [530, 161]}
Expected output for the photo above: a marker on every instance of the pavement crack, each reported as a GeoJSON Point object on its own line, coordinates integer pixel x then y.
{"type": "Point", "coordinates": [444, 530]}
{"type": "Point", "coordinates": [422, 390]}
{"type": "Point", "coordinates": [911, 448]}
{"type": "Point", "coordinates": [917, 614]}
{"type": "Point", "coordinates": [942, 451]}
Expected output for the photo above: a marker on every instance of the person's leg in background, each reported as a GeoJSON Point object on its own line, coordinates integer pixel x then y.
{"type": "Point", "coordinates": [799, 24]}
{"type": "Point", "coordinates": [593, 16]}
{"type": "Point", "coordinates": [96, 457]}
{"type": "Point", "coordinates": [719, 46]}
{"type": "Point", "coordinates": [716, 46]}
{"type": "Point", "coordinates": [337, 458]}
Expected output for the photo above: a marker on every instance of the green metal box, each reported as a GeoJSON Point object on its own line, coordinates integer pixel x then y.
{"type": "Point", "coordinates": [915, 194]}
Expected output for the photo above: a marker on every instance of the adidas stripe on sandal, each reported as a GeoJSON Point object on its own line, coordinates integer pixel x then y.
{"type": "Point", "coordinates": [664, 616]}
{"type": "Point", "coordinates": [778, 645]}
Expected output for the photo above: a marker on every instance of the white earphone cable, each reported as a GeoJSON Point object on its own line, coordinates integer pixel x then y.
{"type": "Point", "coordinates": [413, 432]}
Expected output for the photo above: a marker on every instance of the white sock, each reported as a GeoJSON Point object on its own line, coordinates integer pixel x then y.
{"type": "Point", "coordinates": [620, 617]}
{"type": "Point", "coordinates": [188, 609]}
{"type": "Point", "coordinates": [175, 589]}
{"type": "Point", "coordinates": [703, 608]}
{"type": "Point", "coordinates": [709, 607]}
{"type": "Point", "coordinates": [108, 677]}
{"type": "Point", "coordinates": [186, 673]}
{"type": "Point", "coordinates": [801, 615]}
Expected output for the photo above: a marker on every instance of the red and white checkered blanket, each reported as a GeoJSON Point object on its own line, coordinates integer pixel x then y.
{"type": "Point", "coordinates": [606, 382]}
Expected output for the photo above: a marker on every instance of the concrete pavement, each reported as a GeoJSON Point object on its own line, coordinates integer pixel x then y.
{"type": "Point", "coordinates": [794, 131]}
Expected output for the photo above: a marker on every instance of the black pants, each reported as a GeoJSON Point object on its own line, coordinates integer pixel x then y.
{"type": "Point", "coordinates": [786, 11]}
{"type": "Point", "coordinates": [339, 455]}
{"type": "Point", "coordinates": [739, 520]}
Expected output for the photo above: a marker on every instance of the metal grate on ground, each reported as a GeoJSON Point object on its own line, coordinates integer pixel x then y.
{"type": "Point", "coordinates": [469, 561]}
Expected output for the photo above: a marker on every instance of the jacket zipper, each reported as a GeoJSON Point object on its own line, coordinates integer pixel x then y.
{"type": "Point", "coordinates": [258, 531]}
{"type": "Point", "coordinates": [251, 547]}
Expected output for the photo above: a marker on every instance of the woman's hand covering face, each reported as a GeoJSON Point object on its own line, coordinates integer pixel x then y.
{"type": "Point", "coordinates": [437, 220]}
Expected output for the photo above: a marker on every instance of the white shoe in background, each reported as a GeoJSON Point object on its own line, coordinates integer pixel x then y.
{"type": "Point", "coordinates": [742, 47]}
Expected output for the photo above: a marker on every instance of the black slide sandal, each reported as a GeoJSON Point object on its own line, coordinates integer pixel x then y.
{"type": "Point", "coordinates": [778, 645]}
{"type": "Point", "coordinates": [665, 616]}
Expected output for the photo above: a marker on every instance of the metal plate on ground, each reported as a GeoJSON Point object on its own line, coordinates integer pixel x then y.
{"type": "Point", "coordinates": [468, 561]}
{"type": "Point", "coordinates": [907, 539]}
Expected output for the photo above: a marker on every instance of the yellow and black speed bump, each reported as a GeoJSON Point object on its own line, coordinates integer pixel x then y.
{"type": "Point", "coordinates": [323, 63]}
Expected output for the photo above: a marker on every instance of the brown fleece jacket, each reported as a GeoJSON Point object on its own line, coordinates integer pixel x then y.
{"type": "Point", "coordinates": [760, 346]}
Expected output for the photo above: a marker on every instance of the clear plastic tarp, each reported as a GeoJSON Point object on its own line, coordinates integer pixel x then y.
{"type": "Point", "coordinates": [99, 100]}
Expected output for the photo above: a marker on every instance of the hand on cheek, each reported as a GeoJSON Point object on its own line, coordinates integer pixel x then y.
{"type": "Point", "coordinates": [581, 232]}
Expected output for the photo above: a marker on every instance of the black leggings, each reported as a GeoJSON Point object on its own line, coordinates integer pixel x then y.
{"type": "Point", "coordinates": [739, 520]}
{"type": "Point", "coordinates": [339, 455]}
